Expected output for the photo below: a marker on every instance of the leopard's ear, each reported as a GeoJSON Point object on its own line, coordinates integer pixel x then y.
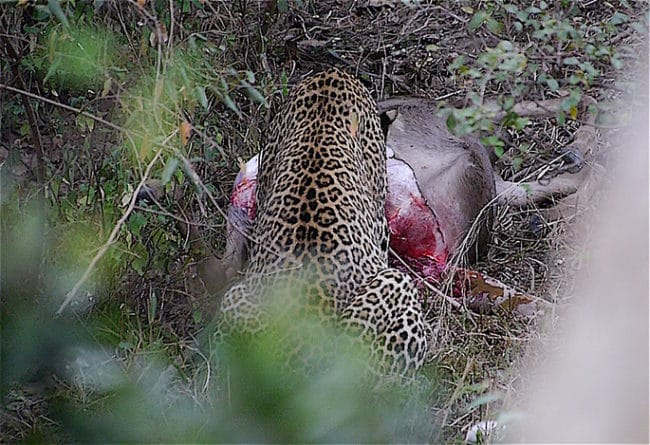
{"type": "Point", "coordinates": [387, 118]}
{"type": "Point", "coordinates": [391, 114]}
{"type": "Point", "coordinates": [150, 193]}
{"type": "Point", "coordinates": [353, 127]}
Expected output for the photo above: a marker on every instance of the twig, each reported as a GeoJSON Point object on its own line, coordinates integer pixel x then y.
{"type": "Point", "coordinates": [64, 106]}
{"type": "Point", "coordinates": [111, 239]}
{"type": "Point", "coordinates": [428, 285]}
{"type": "Point", "coordinates": [457, 390]}
{"type": "Point", "coordinates": [195, 178]}
{"type": "Point", "coordinates": [213, 143]}
{"type": "Point", "coordinates": [37, 140]}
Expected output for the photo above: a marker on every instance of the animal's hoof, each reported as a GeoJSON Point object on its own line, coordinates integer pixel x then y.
{"type": "Point", "coordinates": [537, 225]}
{"type": "Point", "coordinates": [573, 159]}
{"type": "Point", "coordinates": [149, 193]}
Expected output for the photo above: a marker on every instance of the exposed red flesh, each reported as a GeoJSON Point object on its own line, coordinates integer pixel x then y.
{"type": "Point", "coordinates": [415, 234]}
{"type": "Point", "coordinates": [415, 237]}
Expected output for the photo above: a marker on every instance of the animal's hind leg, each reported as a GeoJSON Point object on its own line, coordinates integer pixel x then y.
{"type": "Point", "coordinates": [387, 313]}
{"type": "Point", "coordinates": [240, 310]}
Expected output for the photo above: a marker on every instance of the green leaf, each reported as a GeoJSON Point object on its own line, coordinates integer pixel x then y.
{"type": "Point", "coordinates": [552, 84]}
{"type": "Point", "coordinates": [519, 90]}
{"type": "Point", "coordinates": [31, 29]}
{"type": "Point", "coordinates": [125, 345]}
{"type": "Point", "coordinates": [457, 63]}
{"type": "Point", "coordinates": [477, 20]}
{"type": "Point", "coordinates": [153, 304]}
{"type": "Point", "coordinates": [617, 63]}
{"type": "Point", "coordinates": [494, 142]}
{"type": "Point", "coordinates": [572, 101]}
{"type": "Point", "coordinates": [474, 73]}
{"type": "Point", "coordinates": [225, 97]}
{"type": "Point", "coordinates": [494, 26]}
{"type": "Point", "coordinates": [589, 69]}
{"type": "Point", "coordinates": [484, 399]}
{"type": "Point", "coordinates": [254, 94]}
{"type": "Point", "coordinates": [25, 129]}
{"type": "Point", "coordinates": [619, 18]}
{"type": "Point", "coordinates": [485, 124]}
{"type": "Point", "coordinates": [41, 13]}
{"type": "Point", "coordinates": [451, 122]}
{"type": "Point", "coordinates": [603, 51]}
{"type": "Point", "coordinates": [574, 80]}
{"type": "Point", "coordinates": [54, 6]}
{"type": "Point", "coordinates": [520, 122]}
{"type": "Point", "coordinates": [168, 171]}
{"type": "Point", "coordinates": [522, 16]}
{"type": "Point", "coordinates": [491, 140]}
{"type": "Point", "coordinates": [136, 222]}
{"type": "Point", "coordinates": [505, 45]}
{"type": "Point", "coordinates": [203, 98]}
{"type": "Point", "coordinates": [508, 103]}
{"type": "Point", "coordinates": [570, 61]}
{"type": "Point", "coordinates": [284, 81]}
{"type": "Point", "coordinates": [56, 63]}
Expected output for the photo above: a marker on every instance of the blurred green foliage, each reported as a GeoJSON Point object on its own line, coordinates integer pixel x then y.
{"type": "Point", "coordinates": [76, 58]}
{"type": "Point", "coordinates": [124, 384]}
{"type": "Point", "coordinates": [31, 338]}
{"type": "Point", "coordinates": [534, 49]}
{"type": "Point", "coordinates": [115, 379]}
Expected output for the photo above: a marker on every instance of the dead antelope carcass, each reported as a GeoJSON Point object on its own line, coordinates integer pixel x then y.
{"type": "Point", "coordinates": [440, 194]}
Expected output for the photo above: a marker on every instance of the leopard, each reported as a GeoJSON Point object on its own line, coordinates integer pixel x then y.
{"type": "Point", "coordinates": [321, 226]}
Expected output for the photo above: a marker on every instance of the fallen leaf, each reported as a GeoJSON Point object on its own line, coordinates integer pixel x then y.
{"type": "Point", "coordinates": [107, 87]}
{"type": "Point", "coordinates": [514, 302]}
{"type": "Point", "coordinates": [162, 32]}
{"type": "Point", "coordinates": [185, 131]}
{"type": "Point", "coordinates": [480, 286]}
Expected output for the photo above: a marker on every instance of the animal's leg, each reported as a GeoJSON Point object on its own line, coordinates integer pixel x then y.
{"type": "Point", "coordinates": [386, 312]}
{"type": "Point", "coordinates": [213, 273]}
{"type": "Point", "coordinates": [241, 310]}
{"type": "Point", "coordinates": [416, 135]}
{"type": "Point", "coordinates": [520, 194]}
{"type": "Point", "coordinates": [564, 184]}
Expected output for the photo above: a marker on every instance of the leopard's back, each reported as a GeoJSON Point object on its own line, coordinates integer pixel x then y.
{"type": "Point", "coordinates": [321, 232]}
